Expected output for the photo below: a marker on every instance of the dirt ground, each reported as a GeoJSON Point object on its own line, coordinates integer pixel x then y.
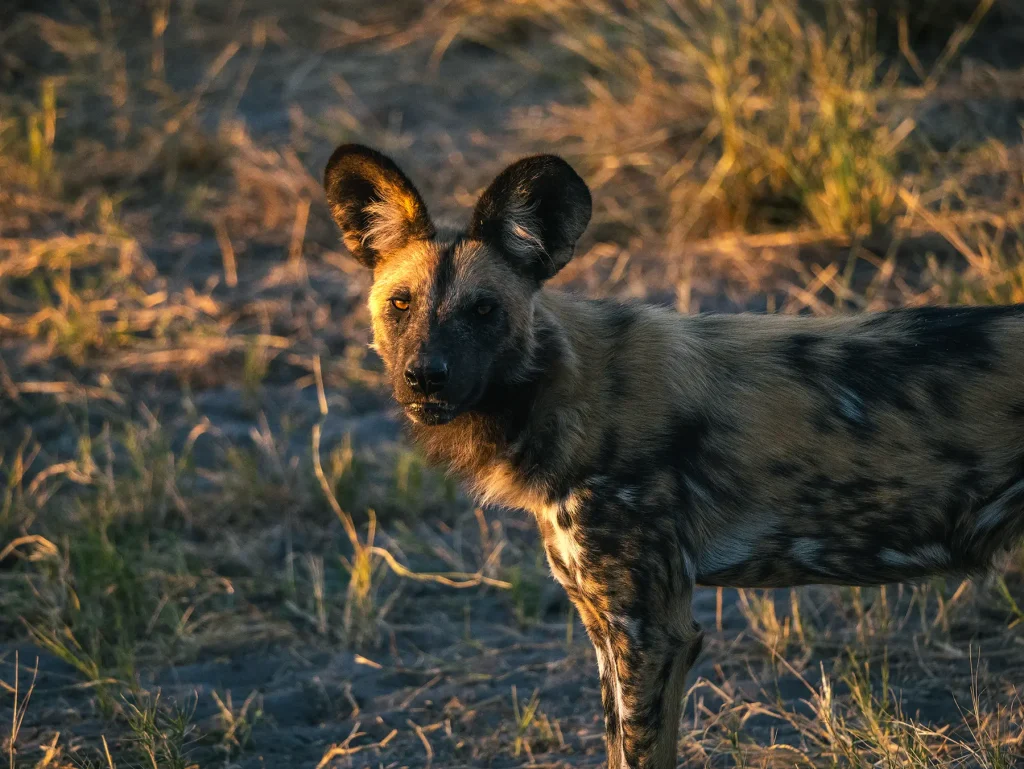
{"type": "Point", "coordinates": [179, 591]}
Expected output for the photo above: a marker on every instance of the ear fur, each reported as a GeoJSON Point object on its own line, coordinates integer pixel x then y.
{"type": "Point", "coordinates": [376, 206]}
{"type": "Point", "coordinates": [534, 212]}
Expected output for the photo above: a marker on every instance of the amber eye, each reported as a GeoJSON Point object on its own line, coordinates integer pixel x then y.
{"type": "Point", "coordinates": [400, 304]}
{"type": "Point", "coordinates": [483, 308]}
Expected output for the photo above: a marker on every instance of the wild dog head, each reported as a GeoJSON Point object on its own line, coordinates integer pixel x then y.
{"type": "Point", "coordinates": [453, 309]}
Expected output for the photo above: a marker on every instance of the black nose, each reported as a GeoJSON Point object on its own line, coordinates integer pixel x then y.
{"type": "Point", "coordinates": [427, 376]}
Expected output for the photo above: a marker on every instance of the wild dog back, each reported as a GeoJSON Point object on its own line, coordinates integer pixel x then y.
{"type": "Point", "coordinates": [859, 449]}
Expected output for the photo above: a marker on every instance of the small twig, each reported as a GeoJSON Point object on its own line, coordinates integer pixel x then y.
{"type": "Point", "coordinates": [7, 383]}
{"type": "Point", "coordinates": [423, 738]}
{"type": "Point", "coordinates": [106, 751]}
{"type": "Point", "coordinates": [299, 237]}
{"type": "Point", "coordinates": [321, 396]}
{"type": "Point", "coordinates": [227, 252]}
{"type": "Point", "coordinates": [69, 389]}
{"type": "Point", "coordinates": [44, 544]}
{"type": "Point", "coordinates": [718, 609]}
{"type": "Point", "coordinates": [450, 579]}
{"type": "Point", "coordinates": [417, 692]}
{"type": "Point", "coordinates": [343, 749]}
{"type": "Point", "coordinates": [913, 202]}
{"type": "Point", "coordinates": [345, 518]}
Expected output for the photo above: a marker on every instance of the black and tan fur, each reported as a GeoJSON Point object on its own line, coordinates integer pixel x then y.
{"type": "Point", "coordinates": [658, 451]}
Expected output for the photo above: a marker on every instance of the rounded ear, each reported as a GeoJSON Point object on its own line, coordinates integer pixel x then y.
{"type": "Point", "coordinates": [534, 213]}
{"type": "Point", "coordinates": [376, 206]}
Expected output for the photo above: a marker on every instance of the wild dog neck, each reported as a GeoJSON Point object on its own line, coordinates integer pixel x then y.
{"type": "Point", "coordinates": [526, 436]}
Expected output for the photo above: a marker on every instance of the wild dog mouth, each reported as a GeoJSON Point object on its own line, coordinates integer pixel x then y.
{"type": "Point", "coordinates": [431, 414]}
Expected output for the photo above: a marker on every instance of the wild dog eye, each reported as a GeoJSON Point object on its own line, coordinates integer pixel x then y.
{"type": "Point", "coordinates": [484, 308]}
{"type": "Point", "coordinates": [400, 304]}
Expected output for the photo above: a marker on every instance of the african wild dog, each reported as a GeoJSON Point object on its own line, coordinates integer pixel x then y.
{"type": "Point", "coordinates": [658, 451]}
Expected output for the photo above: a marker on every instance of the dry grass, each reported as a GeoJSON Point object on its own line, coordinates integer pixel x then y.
{"type": "Point", "coordinates": [202, 491]}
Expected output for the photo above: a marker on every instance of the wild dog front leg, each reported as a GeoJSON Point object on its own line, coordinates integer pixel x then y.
{"type": "Point", "coordinates": [611, 696]}
{"type": "Point", "coordinates": [597, 628]}
{"type": "Point", "coordinates": [643, 658]}
{"type": "Point", "coordinates": [651, 662]}
{"type": "Point", "coordinates": [645, 647]}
